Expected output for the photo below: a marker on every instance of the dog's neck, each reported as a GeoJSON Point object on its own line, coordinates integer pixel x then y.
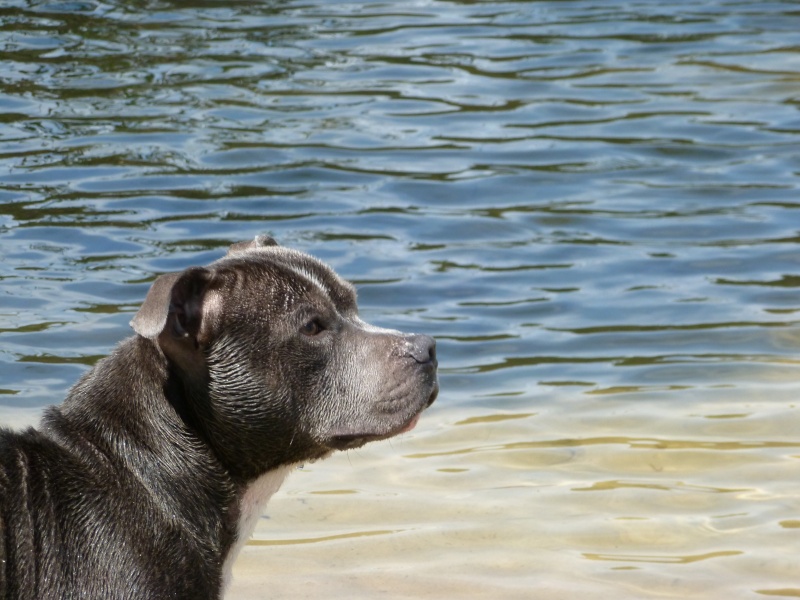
{"type": "Point", "coordinates": [220, 512]}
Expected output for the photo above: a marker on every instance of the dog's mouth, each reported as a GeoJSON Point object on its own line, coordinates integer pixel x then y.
{"type": "Point", "coordinates": [349, 441]}
{"type": "Point", "coordinates": [411, 424]}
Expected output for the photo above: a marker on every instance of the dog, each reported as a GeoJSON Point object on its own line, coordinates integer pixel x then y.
{"type": "Point", "coordinates": [149, 478]}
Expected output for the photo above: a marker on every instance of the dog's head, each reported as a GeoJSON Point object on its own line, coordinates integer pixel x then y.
{"type": "Point", "coordinates": [273, 364]}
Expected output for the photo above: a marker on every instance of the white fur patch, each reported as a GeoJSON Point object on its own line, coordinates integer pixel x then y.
{"type": "Point", "coordinates": [251, 508]}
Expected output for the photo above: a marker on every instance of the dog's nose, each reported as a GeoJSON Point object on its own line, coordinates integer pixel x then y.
{"type": "Point", "coordinates": [422, 348]}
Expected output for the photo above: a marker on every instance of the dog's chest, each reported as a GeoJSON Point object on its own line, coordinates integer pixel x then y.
{"type": "Point", "coordinates": [251, 508]}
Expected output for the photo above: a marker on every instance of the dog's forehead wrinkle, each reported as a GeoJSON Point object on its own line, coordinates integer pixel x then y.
{"type": "Point", "coordinates": [297, 266]}
{"type": "Point", "coordinates": [321, 281]}
{"type": "Point", "coordinates": [307, 274]}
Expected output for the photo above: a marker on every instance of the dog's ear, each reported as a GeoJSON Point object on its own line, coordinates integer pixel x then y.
{"type": "Point", "coordinates": [175, 299]}
{"type": "Point", "coordinates": [261, 241]}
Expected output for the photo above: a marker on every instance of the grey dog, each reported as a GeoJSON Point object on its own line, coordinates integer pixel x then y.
{"type": "Point", "coordinates": [150, 476]}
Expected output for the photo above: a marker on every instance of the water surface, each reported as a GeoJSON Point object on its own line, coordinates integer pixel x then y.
{"type": "Point", "coordinates": [593, 206]}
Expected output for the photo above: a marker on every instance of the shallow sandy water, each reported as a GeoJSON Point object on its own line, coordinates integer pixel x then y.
{"type": "Point", "coordinates": [550, 505]}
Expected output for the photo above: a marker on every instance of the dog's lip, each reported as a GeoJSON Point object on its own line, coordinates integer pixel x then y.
{"type": "Point", "coordinates": [346, 441]}
{"type": "Point", "coordinates": [411, 424]}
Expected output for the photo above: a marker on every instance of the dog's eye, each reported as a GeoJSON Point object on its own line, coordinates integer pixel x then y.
{"type": "Point", "coordinates": [311, 328]}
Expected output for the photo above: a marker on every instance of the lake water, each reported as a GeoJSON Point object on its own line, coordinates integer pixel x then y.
{"type": "Point", "coordinates": [592, 205]}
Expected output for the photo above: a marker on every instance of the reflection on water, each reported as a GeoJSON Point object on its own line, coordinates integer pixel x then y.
{"type": "Point", "coordinates": [593, 207]}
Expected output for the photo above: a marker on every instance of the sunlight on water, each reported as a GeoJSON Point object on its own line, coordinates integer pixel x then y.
{"type": "Point", "coordinates": [592, 206]}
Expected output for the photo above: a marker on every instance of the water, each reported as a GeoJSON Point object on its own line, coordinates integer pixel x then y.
{"type": "Point", "coordinates": [593, 206]}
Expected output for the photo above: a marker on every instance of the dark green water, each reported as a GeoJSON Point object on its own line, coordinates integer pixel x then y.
{"type": "Point", "coordinates": [592, 205]}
